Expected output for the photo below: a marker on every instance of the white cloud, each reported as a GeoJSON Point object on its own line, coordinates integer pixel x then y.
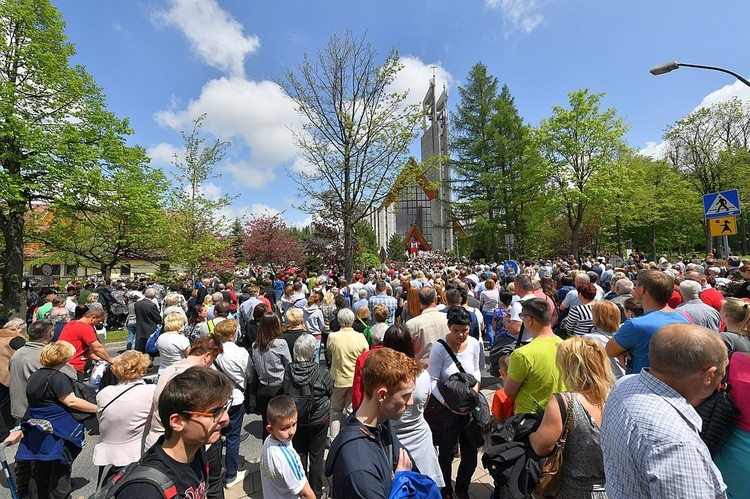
{"type": "Point", "coordinates": [249, 175]}
{"type": "Point", "coordinates": [263, 209]}
{"type": "Point", "coordinates": [163, 153]}
{"type": "Point", "coordinates": [415, 77]}
{"type": "Point", "coordinates": [258, 114]}
{"type": "Point", "coordinates": [213, 33]}
{"type": "Point", "coordinates": [519, 15]}
{"type": "Point", "coordinates": [211, 191]}
{"type": "Point", "coordinates": [725, 93]}
{"type": "Point", "coordinates": [654, 150]}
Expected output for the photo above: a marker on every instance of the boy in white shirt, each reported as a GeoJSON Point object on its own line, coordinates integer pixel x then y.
{"type": "Point", "coordinates": [281, 472]}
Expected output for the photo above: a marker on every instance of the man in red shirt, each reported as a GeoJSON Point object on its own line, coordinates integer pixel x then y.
{"type": "Point", "coordinates": [709, 295]}
{"type": "Point", "coordinates": [82, 335]}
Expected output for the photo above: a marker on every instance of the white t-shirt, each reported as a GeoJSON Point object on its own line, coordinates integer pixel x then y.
{"type": "Point", "coordinates": [441, 365]}
{"type": "Point", "coordinates": [515, 315]}
{"type": "Point", "coordinates": [172, 348]}
{"type": "Point", "coordinates": [281, 473]}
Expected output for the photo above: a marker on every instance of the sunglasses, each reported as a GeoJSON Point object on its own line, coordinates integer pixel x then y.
{"type": "Point", "coordinates": [216, 414]}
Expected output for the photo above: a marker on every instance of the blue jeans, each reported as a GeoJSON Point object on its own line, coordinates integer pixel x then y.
{"type": "Point", "coordinates": [232, 434]}
{"type": "Point", "coordinates": [131, 337]}
{"type": "Point", "coordinates": [488, 324]}
{"type": "Point", "coordinates": [317, 351]}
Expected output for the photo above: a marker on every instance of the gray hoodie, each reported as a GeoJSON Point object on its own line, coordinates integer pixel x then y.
{"type": "Point", "coordinates": [313, 321]}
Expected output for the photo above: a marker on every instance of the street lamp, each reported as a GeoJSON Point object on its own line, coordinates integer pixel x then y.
{"type": "Point", "coordinates": [671, 66]}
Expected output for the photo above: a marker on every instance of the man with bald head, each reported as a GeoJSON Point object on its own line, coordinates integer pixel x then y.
{"type": "Point", "coordinates": [650, 430]}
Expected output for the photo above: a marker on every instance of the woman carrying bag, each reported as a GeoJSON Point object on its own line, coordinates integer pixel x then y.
{"type": "Point", "coordinates": [587, 374]}
{"type": "Point", "coordinates": [53, 438]}
{"type": "Point", "coordinates": [449, 411]}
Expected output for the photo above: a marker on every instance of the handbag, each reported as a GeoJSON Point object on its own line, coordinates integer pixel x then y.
{"type": "Point", "coordinates": [549, 482]}
{"type": "Point", "coordinates": [151, 347]}
{"type": "Point", "coordinates": [719, 415]}
{"type": "Point", "coordinates": [82, 391]}
{"type": "Point", "coordinates": [481, 416]}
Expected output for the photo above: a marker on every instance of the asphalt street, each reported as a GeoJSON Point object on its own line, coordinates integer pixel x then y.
{"type": "Point", "coordinates": [85, 473]}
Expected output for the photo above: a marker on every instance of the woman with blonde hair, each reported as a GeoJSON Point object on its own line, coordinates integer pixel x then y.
{"type": "Point", "coordinates": [51, 398]}
{"type": "Point", "coordinates": [172, 345]}
{"type": "Point", "coordinates": [735, 313]}
{"type": "Point", "coordinates": [587, 374]}
{"type": "Point", "coordinates": [606, 316]}
{"type": "Point", "coordinates": [123, 411]}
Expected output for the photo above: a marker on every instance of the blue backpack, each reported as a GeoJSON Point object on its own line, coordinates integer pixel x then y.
{"type": "Point", "coordinates": [151, 347]}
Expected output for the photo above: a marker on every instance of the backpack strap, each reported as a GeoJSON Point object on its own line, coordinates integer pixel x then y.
{"type": "Point", "coordinates": [140, 473]}
{"type": "Point", "coordinates": [453, 355]}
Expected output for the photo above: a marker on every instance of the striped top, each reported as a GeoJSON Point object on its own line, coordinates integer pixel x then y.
{"type": "Point", "coordinates": [579, 320]}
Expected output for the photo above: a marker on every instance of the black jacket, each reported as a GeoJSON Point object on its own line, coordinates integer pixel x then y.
{"type": "Point", "coordinates": [147, 317]}
{"type": "Point", "coordinates": [362, 461]}
{"type": "Point", "coordinates": [305, 373]}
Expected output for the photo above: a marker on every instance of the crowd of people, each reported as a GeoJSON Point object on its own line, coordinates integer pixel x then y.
{"type": "Point", "coordinates": [384, 371]}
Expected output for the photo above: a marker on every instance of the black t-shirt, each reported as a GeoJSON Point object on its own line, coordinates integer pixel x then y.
{"type": "Point", "coordinates": [46, 386]}
{"type": "Point", "coordinates": [189, 478]}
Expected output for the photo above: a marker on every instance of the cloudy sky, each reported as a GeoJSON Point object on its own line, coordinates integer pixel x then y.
{"type": "Point", "coordinates": [161, 63]}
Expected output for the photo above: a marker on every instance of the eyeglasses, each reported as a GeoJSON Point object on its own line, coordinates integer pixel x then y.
{"type": "Point", "coordinates": [527, 315]}
{"type": "Point", "coordinates": [216, 414]}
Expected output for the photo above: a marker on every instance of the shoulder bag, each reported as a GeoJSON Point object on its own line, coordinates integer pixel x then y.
{"type": "Point", "coordinates": [719, 415]}
{"type": "Point", "coordinates": [549, 482]}
{"type": "Point", "coordinates": [481, 416]}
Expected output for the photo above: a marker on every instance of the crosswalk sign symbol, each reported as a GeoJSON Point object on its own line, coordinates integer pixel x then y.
{"type": "Point", "coordinates": [726, 226]}
{"type": "Point", "coordinates": [721, 204]}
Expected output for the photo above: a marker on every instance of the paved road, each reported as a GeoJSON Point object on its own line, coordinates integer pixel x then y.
{"type": "Point", "coordinates": [85, 473]}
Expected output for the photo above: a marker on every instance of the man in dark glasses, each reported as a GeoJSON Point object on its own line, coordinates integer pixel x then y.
{"type": "Point", "coordinates": [193, 408]}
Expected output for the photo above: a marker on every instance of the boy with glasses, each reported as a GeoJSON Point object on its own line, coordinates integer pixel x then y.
{"type": "Point", "coordinates": [193, 408]}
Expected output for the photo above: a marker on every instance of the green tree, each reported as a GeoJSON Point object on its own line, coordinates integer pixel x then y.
{"type": "Point", "coordinates": [579, 143]}
{"type": "Point", "coordinates": [355, 134]}
{"type": "Point", "coordinates": [396, 250]}
{"type": "Point", "coordinates": [493, 162]}
{"type": "Point", "coordinates": [365, 238]}
{"type": "Point", "coordinates": [709, 146]}
{"type": "Point", "coordinates": [121, 221]}
{"type": "Point", "coordinates": [191, 234]}
{"type": "Point", "coordinates": [55, 130]}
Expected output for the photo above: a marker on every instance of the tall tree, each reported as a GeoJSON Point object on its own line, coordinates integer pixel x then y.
{"type": "Point", "coordinates": [710, 147]}
{"type": "Point", "coordinates": [54, 127]}
{"type": "Point", "coordinates": [492, 162]}
{"type": "Point", "coordinates": [356, 131]}
{"type": "Point", "coordinates": [120, 221]}
{"type": "Point", "coordinates": [579, 143]}
{"type": "Point", "coordinates": [192, 233]}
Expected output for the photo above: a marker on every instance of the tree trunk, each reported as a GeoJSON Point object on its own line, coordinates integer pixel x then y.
{"type": "Point", "coordinates": [348, 250]}
{"type": "Point", "coordinates": [13, 296]}
{"type": "Point", "coordinates": [106, 271]}
{"type": "Point", "coordinates": [653, 241]}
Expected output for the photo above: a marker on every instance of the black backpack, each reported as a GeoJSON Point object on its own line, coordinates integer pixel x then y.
{"type": "Point", "coordinates": [303, 396]}
{"type": "Point", "coordinates": [136, 473]}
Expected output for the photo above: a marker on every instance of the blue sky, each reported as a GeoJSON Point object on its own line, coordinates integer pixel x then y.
{"type": "Point", "coordinates": [161, 63]}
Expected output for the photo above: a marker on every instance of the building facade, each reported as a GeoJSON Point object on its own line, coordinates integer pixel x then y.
{"type": "Point", "coordinates": [420, 198]}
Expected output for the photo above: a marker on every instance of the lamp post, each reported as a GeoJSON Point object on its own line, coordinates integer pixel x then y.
{"type": "Point", "coordinates": [671, 66]}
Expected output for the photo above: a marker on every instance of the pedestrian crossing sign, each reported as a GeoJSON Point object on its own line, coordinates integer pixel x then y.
{"type": "Point", "coordinates": [726, 226]}
{"type": "Point", "coordinates": [722, 204]}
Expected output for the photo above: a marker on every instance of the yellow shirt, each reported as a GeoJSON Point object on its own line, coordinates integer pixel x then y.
{"type": "Point", "coordinates": [345, 346]}
{"type": "Point", "coordinates": [534, 366]}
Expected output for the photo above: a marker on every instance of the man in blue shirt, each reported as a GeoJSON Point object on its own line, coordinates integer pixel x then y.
{"type": "Point", "coordinates": [631, 342]}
